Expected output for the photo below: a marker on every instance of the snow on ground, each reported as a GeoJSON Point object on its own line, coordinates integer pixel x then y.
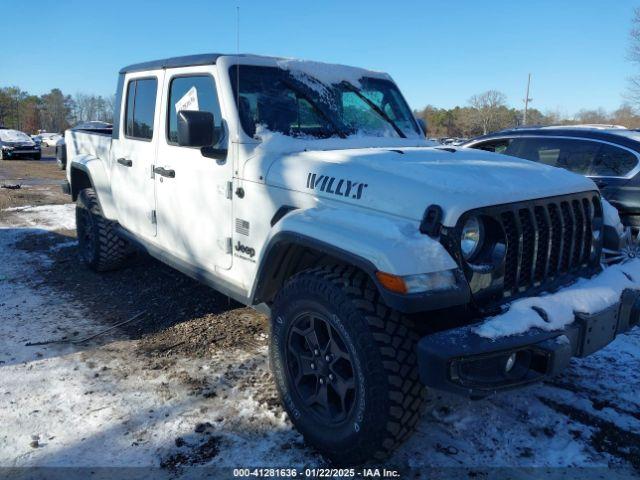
{"type": "Point", "coordinates": [101, 404]}
{"type": "Point", "coordinates": [95, 405]}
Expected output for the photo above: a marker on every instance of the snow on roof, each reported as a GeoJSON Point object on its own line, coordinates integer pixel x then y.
{"type": "Point", "coordinates": [589, 126]}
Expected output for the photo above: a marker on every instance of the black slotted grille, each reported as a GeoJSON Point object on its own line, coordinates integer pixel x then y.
{"type": "Point", "coordinates": [528, 246]}
{"type": "Point", "coordinates": [544, 236]}
{"type": "Point", "coordinates": [511, 256]}
{"type": "Point", "coordinates": [546, 240]}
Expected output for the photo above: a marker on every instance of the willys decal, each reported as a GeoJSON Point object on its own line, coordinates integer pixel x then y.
{"type": "Point", "coordinates": [336, 186]}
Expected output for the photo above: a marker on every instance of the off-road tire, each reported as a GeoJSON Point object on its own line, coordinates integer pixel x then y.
{"type": "Point", "coordinates": [37, 156]}
{"type": "Point", "coordinates": [100, 246]}
{"type": "Point", "coordinates": [389, 396]}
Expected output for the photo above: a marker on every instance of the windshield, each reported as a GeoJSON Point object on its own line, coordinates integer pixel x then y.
{"type": "Point", "coordinates": [14, 136]}
{"type": "Point", "coordinates": [302, 106]}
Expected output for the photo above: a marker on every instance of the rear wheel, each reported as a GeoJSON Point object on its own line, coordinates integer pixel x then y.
{"type": "Point", "coordinates": [101, 248]}
{"type": "Point", "coordinates": [345, 365]}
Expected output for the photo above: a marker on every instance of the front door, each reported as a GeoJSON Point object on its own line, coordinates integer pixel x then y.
{"type": "Point", "coordinates": [133, 154]}
{"type": "Point", "coordinates": [193, 191]}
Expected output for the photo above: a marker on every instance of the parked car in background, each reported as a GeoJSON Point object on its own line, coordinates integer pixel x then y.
{"type": "Point", "coordinates": [17, 144]}
{"type": "Point", "coordinates": [50, 139]}
{"type": "Point", "coordinates": [608, 154]}
{"type": "Point", "coordinates": [92, 126]}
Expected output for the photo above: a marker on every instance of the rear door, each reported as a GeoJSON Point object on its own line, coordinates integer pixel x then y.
{"type": "Point", "coordinates": [133, 153]}
{"type": "Point", "coordinates": [194, 197]}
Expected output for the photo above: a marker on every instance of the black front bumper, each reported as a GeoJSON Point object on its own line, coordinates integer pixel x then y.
{"type": "Point", "coordinates": [462, 362]}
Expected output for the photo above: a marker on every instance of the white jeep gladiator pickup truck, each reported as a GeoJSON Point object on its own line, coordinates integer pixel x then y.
{"type": "Point", "coordinates": [309, 191]}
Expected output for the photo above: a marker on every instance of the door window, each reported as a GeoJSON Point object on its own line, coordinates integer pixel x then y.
{"type": "Point", "coordinates": [197, 92]}
{"type": "Point", "coordinates": [612, 161]}
{"type": "Point", "coordinates": [574, 155]}
{"type": "Point", "coordinates": [141, 108]}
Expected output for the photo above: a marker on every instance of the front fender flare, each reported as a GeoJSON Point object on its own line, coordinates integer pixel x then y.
{"type": "Point", "coordinates": [371, 242]}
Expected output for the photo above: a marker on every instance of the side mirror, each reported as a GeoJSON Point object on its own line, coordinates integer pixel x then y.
{"type": "Point", "coordinates": [423, 125]}
{"type": "Point", "coordinates": [195, 128]}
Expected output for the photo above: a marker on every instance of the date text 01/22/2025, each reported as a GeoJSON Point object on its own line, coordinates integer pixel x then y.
{"type": "Point", "coordinates": [316, 472]}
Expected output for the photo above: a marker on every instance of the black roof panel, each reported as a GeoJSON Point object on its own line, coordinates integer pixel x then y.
{"type": "Point", "coordinates": [174, 62]}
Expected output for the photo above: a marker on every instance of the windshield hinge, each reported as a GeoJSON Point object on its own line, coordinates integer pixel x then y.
{"type": "Point", "coordinates": [153, 173]}
{"type": "Point", "coordinates": [229, 190]}
{"type": "Point", "coordinates": [153, 217]}
{"type": "Point", "coordinates": [229, 245]}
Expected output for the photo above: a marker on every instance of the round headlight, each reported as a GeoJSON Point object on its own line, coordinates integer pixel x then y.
{"type": "Point", "coordinates": [471, 238]}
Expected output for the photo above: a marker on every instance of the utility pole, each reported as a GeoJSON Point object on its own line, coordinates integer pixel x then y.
{"type": "Point", "coordinates": [526, 102]}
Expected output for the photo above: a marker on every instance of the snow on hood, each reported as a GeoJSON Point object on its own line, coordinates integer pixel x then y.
{"type": "Point", "coordinates": [278, 142]}
{"type": "Point", "coordinates": [585, 296]}
{"type": "Point", "coordinates": [405, 180]}
{"type": "Point", "coordinates": [14, 136]}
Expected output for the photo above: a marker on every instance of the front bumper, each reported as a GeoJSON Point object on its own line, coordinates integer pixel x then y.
{"type": "Point", "coordinates": [462, 362]}
{"type": "Point", "coordinates": [21, 152]}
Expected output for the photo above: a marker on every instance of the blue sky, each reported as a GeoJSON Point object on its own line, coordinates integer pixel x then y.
{"type": "Point", "coordinates": [440, 53]}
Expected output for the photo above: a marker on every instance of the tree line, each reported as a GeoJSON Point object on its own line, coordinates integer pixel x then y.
{"type": "Point", "coordinates": [488, 112]}
{"type": "Point", "coordinates": [51, 112]}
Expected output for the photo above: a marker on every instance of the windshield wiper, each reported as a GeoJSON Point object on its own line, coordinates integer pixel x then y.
{"type": "Point", "coordinates": [375, 108]}
{"type": "Point", "coordinates": [314, 105]}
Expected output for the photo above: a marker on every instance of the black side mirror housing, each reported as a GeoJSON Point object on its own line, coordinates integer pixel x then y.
{"type": "Point", "coordinates": [195, 128]}
{"type": "Point", "coordinates": [423, 125]}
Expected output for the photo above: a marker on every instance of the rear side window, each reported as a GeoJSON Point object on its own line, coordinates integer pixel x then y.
{"type": "Point", "coordinates": [196, 92]}
{"type": "Point", "coordinates": [141, 108]}
{"type": "Point", "coordinates": [574, 155]}
{"type": "Point", "coordinates": [612, 161]}
{"type": "Point", "coordinates": [496, 146]}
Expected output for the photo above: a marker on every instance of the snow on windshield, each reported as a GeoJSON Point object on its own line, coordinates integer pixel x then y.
{"type": "Point", "coordinates": [14, 136]}
{"type": "Point", "coordinates": [318, 75]}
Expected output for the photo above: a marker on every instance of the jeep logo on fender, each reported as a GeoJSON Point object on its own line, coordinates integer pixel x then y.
{"type": "Point", "coordinates": [246, 250]}
{"type": "Point", "coordinates": [337, 186]}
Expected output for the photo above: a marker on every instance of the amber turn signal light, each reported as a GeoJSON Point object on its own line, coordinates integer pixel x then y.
{"type": "Point", "coordinates": [392, 282]}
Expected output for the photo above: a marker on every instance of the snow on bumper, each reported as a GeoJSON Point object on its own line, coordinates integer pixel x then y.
{"type": "Point", "coordinates": [535, 338]}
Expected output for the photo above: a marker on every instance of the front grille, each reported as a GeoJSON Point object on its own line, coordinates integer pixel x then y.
{"type": "Point", "coordinates": [546, 239]}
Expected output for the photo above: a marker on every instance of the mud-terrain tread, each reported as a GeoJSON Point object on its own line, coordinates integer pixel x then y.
{"type": "Point", "coordinates": [112, 250]}
{"type": "Point", "coordinates": [396, 339]}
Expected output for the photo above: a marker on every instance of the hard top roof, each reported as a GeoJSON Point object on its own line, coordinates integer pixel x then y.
{"type": "Point", "coordinates": [184, 61]}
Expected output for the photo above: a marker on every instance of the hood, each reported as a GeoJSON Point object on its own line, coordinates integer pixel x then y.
{"type": "Point", "coordinates": [404, 181]}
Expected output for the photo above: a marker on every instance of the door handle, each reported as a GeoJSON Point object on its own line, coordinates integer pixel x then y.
{"type": "Point", "coordinates": [164, 172]}
{"type": "Point", "coordinates": [125, 161]}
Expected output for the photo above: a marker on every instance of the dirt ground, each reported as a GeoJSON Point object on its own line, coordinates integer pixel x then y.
{"type": "Point", "coordinates": [192, 344]}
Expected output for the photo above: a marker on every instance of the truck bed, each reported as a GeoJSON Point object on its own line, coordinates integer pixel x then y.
{"type": "Point", "coordinates": [88, 142]}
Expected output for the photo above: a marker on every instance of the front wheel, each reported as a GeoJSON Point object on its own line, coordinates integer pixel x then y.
{"type": "Point", "coordinates": [345, 365]}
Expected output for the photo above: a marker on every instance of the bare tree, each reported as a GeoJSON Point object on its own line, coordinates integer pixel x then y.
{"type": "Point", "coordinates": [488, 106]}
{"type": "Point", "coordinates": [633, 93]}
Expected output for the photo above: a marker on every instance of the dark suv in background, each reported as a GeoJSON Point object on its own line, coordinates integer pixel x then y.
{"type": "Point", "coordinates": [607, 154]}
